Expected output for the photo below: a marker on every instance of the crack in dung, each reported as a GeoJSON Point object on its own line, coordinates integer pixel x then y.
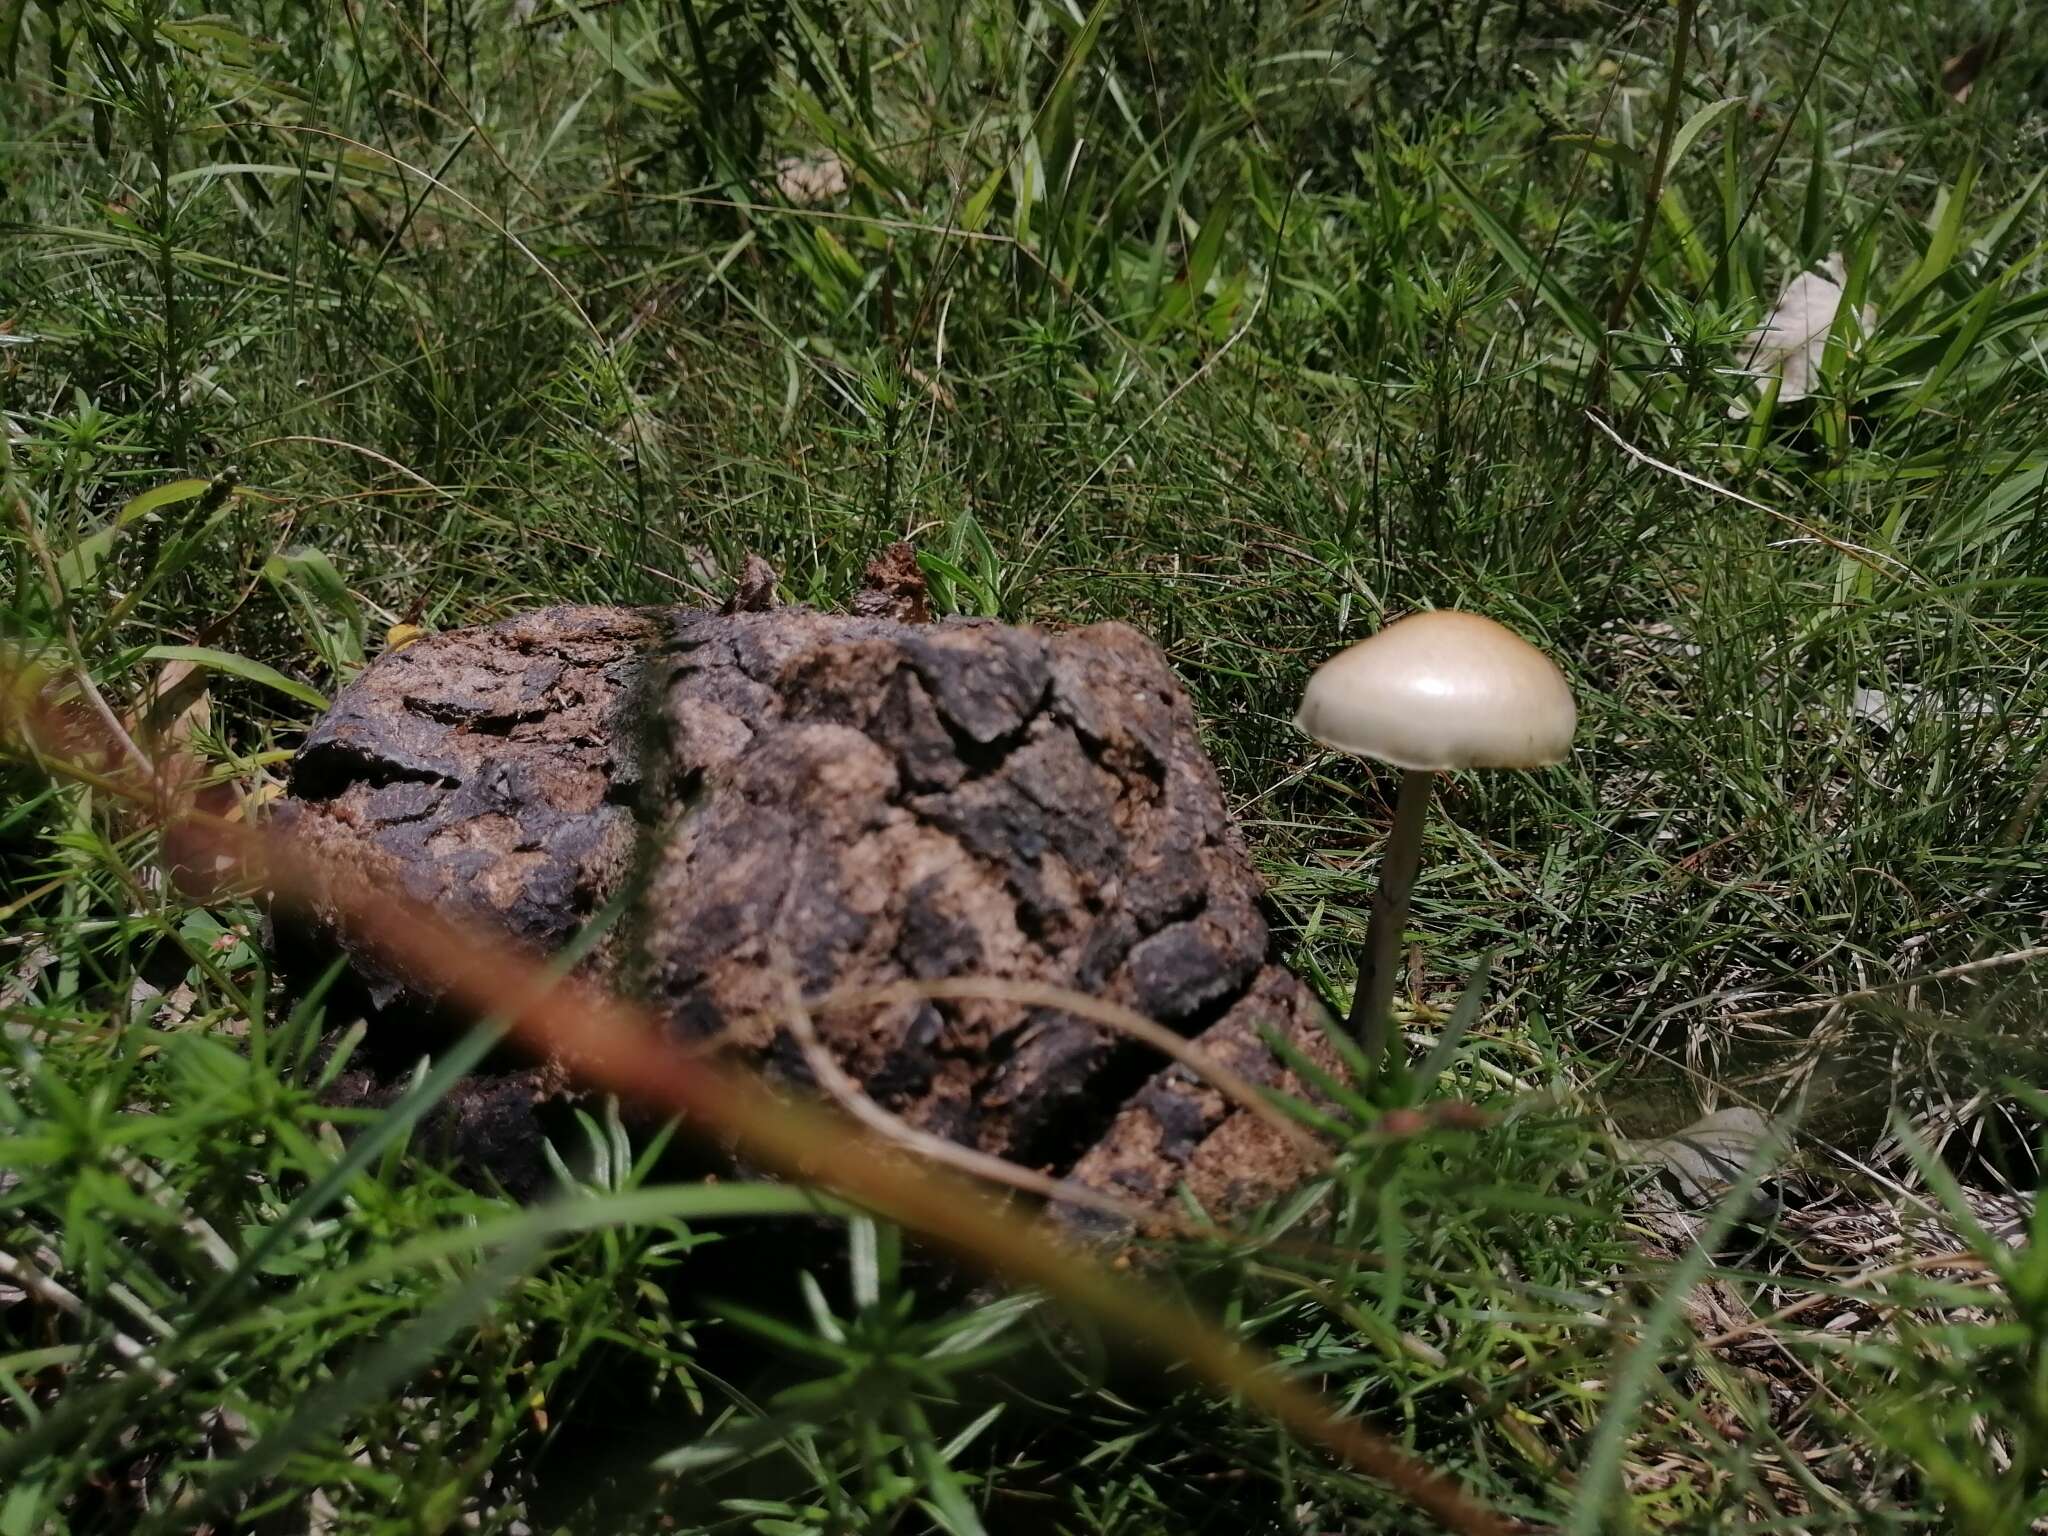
{"type": "Point", "coordinates": [981, 759]}
{"type": "Point", "coordinates": [326, 770]}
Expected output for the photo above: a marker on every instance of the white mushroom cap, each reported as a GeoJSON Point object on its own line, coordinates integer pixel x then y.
{"type": "Point", "coordinates": [1442, 690]}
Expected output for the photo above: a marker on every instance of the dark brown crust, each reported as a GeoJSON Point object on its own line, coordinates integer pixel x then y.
{"type": "Point", "coordinates": [865, 802]}
{"type": "Point", "coordinates": [1177, 1129]}
{"type": "Point", "coordinates": [893, 587]}
{"type": "Point", "coordinates": [493, 769]}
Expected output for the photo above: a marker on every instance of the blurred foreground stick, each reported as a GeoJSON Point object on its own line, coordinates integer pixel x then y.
{"type": "Point", "coordinates": [333, 869]}
{"type": "Point", "coordinates": [878, 805]}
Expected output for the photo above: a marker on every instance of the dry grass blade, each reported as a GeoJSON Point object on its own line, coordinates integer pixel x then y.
{"type": "Point", "coordinates": [1866, 994]}
{"type": "Point", "coordinates": [26, 1274]}
{"type": "Point", "coordinates": [1870, 559]}
{"type": "Point", "coordinates": [1238, 1089]}
{"type": "Point", "coordinates": [1959, 1259]}
{"type": "Point", "coordinates": [847, 1094]}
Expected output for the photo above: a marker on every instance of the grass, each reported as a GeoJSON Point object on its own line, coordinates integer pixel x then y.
{"type": "Point", "coordinates": [1252, 326]}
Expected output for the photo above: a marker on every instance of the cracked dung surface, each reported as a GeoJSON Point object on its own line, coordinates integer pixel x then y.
{"type": "Point", "coordinates": [492, 770]}
{"type": "Point", "coordinates": [868, 802]}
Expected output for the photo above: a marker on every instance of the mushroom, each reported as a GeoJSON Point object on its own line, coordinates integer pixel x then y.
{"type": "Point", "coordinates": [1430, 694]}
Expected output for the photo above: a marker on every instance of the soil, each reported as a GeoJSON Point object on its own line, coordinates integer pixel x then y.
{"type": "Point", "coordinates": [862, 800]}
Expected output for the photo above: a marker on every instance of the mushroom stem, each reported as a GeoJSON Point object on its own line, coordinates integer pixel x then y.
{"type": "Point", "coordinates": [1372, 1000]}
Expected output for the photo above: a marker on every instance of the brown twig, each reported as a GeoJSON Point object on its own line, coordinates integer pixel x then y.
{"type": "Point", "coordinates": [30, 1277]}
{"type": "Point", "coordinates": [608, 1045]}
{"type": "Point", "coordinates": [847, 1094]}
{"type": "Point", "coordinates": [1238, 1089]}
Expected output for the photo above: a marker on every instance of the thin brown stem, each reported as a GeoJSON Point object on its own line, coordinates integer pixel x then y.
{"type": "Point", "coordinates": [1372, 1002]}
{"type": "Point", "coordinates": [847, 1093]}
{"type": "Point", "coordinates": [1233, 1086]}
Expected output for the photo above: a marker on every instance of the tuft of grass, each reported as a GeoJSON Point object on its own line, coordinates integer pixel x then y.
{"type": "Point", "coordinates": [1250, 326]}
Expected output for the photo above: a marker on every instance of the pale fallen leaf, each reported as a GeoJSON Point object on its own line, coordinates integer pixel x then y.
{"type": "Point", "coordinates": [177, 1006]}
{"type": "Point", "coordinates": [1959, 75]}
{"type": "Point", "coordinates": [399, 636]}
{"type": "Point", "coordinates": [21, 986]}
{"type": "Point", "coordinates": [808, 180]}
{"type": "Point", "coordinates": [1875, 707]}
{"type": "Point", "coordinates": [142, 998]}
{"type": "Point", "coordinates": [175, 708]}
{"type": "Point", "coordinates": [1887, 708]}
{"type": "Point", "coordinates": [1792, 338]}
{"type": "Point", "coordinates": [254, 804]}
{"type": "Point", "coordinates": [1708, 1155]}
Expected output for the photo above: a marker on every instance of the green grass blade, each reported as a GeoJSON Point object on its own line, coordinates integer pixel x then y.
{"type": "Point", "coordinates": [1599, 1493]}
{"type": "Point", "coordinates": [381, 1373]}
{"type": "Point", "coordinates": [1523, 262]}
{"type": "Point", "coordinates": [1460, 1023]}
{"type": "Point", "coordinates": [1689, 131]}
{"type": "Point", "coordinates": [248, 670]}
{"type": "Point", "coordinates": [397, 1121]}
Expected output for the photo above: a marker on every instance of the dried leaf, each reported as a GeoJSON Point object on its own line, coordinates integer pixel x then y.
{"type": "Point", "coordinates": [893, 587]}
{"type": "Point", "coordinates": [1705, 1157]}
{"type": "Point", "coordinates": [756, 590]}
{"type": "Point", "coordinates": [257, 801]}
{"type": "Point", "coordinates": [143, 997]}
{"type": "Point", "coordinates": [1875, 707]}
{"type": "Point", "coordinates": [177, 1006]}
{"type": "Point", "coordinates": [1888, 708]}
{"type": "Point", "coordinates": [21, 986]}
{"type": "Point", "coordinates": [1791, 340]}
{"type": "Point", "coordinates": [175, 708]}
{"type": "Point", "coordinates": [1960, 74]}
{"type": "Point", "coordinates": [806, 181]}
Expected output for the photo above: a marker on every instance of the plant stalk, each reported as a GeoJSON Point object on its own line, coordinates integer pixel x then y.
{"type": "Point", "coordinates": [1653, 193]}
{"type": "Point", "coordinates": [1372, 1002]}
